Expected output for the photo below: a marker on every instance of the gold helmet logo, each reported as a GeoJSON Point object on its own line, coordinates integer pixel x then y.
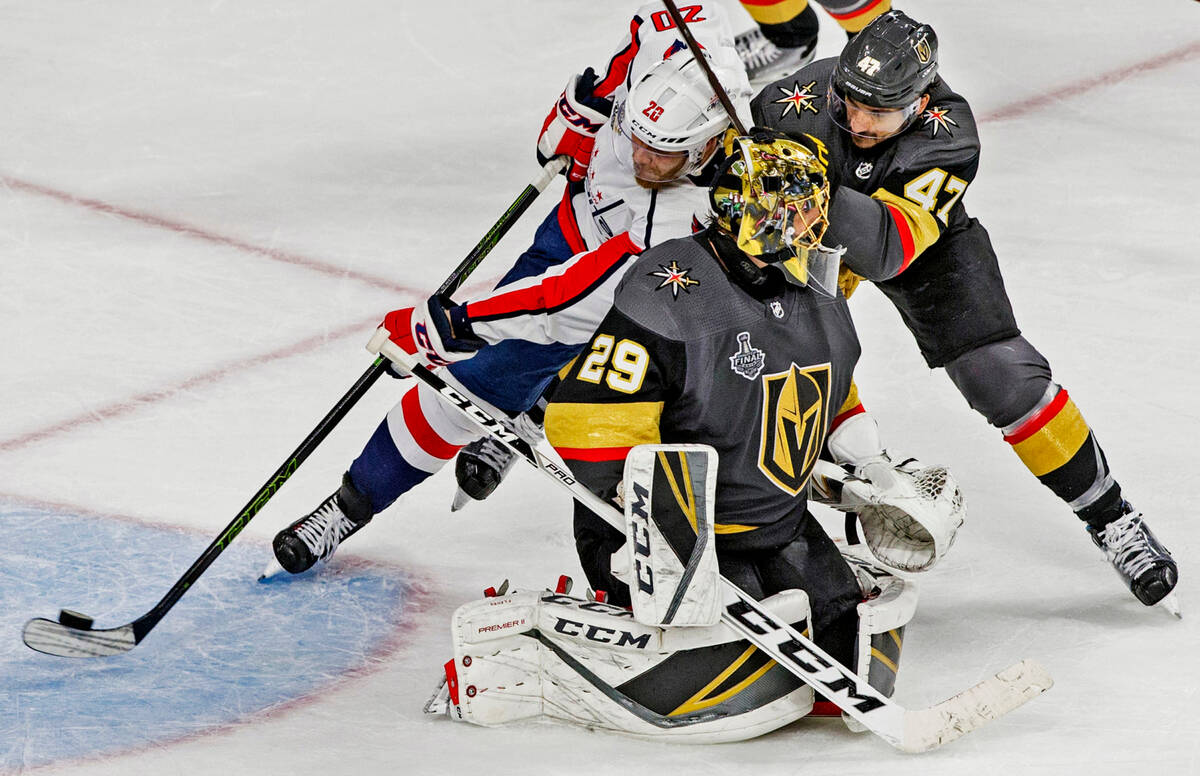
{"type": "Point", "coordinates": [923, 50]}
{"type": "Point", "coordinates": [794, 417]}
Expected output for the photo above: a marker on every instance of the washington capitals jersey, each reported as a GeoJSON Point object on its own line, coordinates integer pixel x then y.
{"type": "Point", "coordinates": [687, 355]}
{"type": "Point", "coordinates": [611, 217]}
{"type": "Point", "coordinates": [915, 181]}
{"type": "Point", "coordinates": [610, 201]}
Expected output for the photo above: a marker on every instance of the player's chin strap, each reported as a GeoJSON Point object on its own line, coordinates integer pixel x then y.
{"type": "Point", "coordinates": [907, 730]}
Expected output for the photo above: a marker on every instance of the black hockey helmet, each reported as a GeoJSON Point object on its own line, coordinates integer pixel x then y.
{"type": "Point", "coordinates": [889, 64]}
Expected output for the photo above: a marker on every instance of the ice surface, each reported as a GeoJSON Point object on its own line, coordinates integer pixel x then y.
{"type": "Point", "coordinates": [206, 207]}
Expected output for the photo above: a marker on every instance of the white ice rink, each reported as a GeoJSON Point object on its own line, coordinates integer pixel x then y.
{"type": "Point", "coordinates": [205, 208]}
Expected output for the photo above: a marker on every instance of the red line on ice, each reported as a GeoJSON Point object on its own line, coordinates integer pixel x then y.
{"type": "Point", "coordinates": [125, 406]}
{"type": "Point", "coordinates": [1013, 110]}
{"type": "Point", "coordinates": [1036, 102]}
{"type": "Point", "coordinates": [150, 219]}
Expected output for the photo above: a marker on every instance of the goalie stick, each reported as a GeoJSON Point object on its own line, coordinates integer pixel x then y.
{"type": "Point", "coordinates": [916, 730]}
{"type": "Point", "coordinates": [72, 634]}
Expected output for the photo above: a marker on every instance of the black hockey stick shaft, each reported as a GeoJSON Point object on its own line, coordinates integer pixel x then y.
{"type": "Point", "coordinates": [70, 640]}
{"type": "Point", "coordinates": [144, 624]}
{"type": "Point", "coordinates": [713, 81]}
{"type": "Point", "coordinates": [500, 228]}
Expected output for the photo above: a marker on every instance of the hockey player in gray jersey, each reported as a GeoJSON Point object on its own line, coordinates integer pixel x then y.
{"type": "Point", "coordinates": [708, 342]}
{"type": "Point", "coordinates": [734, 338]}
{"type": "Point", "coordinates": [905, 148]}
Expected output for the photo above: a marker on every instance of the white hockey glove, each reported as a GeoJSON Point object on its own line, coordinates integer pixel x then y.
{"type": "Point", "coordinates": [910, 513]}
{"type": "Point", "coordinates": [437, 336]}
{"type": "Point", "coordinates": [571, 126]}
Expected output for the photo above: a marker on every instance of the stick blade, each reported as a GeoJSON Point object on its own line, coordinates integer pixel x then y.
{"type": "Point", "coordinates": [990, 699]}
{"type": "Point", "coordinates": [54, 638]}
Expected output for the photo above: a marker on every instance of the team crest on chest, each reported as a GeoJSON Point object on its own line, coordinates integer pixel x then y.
{"type": "Point", "coordinates": [800, 98]}
{"type": "Point", "coordinates": [940, 119]}
{"type": "Point", "coordinates": [749, 360]}
{"type": "Point", "coordinates": [794, 411]}
{"type": "Point", "coordinates": [674, 278]}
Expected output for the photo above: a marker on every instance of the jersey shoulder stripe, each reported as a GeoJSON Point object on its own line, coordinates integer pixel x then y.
{"type": "Point", "coordinates": [562, 287]}
{"type": "Point", "coordinates": [618, 67]}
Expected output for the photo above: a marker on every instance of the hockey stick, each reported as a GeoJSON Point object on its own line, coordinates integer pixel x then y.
{"type": "Point", "coordinates": [908, 730]}
{"type": "Point", "coordinates": [713, 81]}
{"type": "Point", "coordinates": [465, 268]}
{"type": "Point", "coordinates": [72, 635]}
{"type": "Point", "coordinates": [501, 227]}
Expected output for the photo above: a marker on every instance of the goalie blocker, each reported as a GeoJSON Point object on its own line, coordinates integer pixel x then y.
{"type": "Point", "coordinates": [664, 669]}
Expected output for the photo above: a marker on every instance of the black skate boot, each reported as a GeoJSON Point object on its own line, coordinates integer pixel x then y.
{"type": "Point", "coordinates": [315, 536]}
{"type": "Point", "coordinates": [1146, 566]}
{"type": "Point", "coordinates": [479, 469]}
{"type": "Point", "coordinates": [482, 464]}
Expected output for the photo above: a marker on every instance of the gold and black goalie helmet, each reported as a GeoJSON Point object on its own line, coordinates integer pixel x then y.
{"type": "Point", "coordinates": [766, 181]}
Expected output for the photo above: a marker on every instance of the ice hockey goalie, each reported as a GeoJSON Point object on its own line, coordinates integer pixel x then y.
{"type": "Point", "coordinates": [531, 655]}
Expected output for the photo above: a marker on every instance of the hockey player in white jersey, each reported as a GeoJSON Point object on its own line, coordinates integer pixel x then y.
{"type": "Point", "coordinates": [642, 137]}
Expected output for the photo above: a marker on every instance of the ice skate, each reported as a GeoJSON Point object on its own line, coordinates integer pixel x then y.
{"type": "Point", "coordinates": [479, 469]}
{"type": "Point", "coordinates": [765, 61]}
{"type": "Point", "coordinates": [482, 464]}
{"type": "Point", "coordinates": [315, 537]}
{"type": "Point", "coordinates": [1139, 558]}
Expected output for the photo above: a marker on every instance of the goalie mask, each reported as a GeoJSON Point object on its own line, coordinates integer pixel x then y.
{"type": "Point", "coordinates": [772, 197]}
{"type": "Point", "coordinates": [668, 124]}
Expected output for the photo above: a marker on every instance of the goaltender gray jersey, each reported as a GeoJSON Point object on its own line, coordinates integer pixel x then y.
{"type": "Point", "coordinates": [919, 176]}
{"type": "Point", "coordinates": [686, 355]}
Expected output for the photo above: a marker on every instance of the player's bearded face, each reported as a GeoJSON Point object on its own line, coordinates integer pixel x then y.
{"type": "Point", "coordinates": [870, 126]}
{"type": "Point", "coordinates": [654, 169]}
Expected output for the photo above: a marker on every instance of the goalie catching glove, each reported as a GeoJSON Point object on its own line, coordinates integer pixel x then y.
{"type": "Point", "coordinates": [435, 334]}
{"type": "Point", "coordinates": [571, 126]}
{"type": "Point", "coordinates": [910, 512]}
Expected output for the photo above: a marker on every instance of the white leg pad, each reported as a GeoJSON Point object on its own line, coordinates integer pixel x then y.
{"type": "Point", "coordinates": [882, 618]}
{"type": "Point", "coordinates": [530, 655]}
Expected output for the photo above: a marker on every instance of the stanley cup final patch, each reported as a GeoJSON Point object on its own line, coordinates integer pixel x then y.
{"type": "Point", "coordinates": [749, 360]}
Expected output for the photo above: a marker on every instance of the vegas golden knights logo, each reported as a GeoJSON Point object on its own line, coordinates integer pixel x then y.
{"type": "Point", "coordinates": [923, 50]}
{"type": "Point", "coordinates": [795, 406]}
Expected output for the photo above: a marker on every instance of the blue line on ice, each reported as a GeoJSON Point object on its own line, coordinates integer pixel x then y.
{"type": "Point", "coordinates": [232, 647]}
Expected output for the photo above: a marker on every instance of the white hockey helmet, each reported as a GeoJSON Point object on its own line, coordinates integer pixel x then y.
{"type": "Point", "coordinates": [673, 110]}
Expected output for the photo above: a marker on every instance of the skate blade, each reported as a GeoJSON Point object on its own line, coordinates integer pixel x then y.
{"type": "Point", "coordinates": [272, 571]}
{"type": "Point", "coordinates": [439, 702]}
{"type": "Point", "coordinates": [460, 500]}
{"type": "Point", "coordinates": [1170, 602]}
